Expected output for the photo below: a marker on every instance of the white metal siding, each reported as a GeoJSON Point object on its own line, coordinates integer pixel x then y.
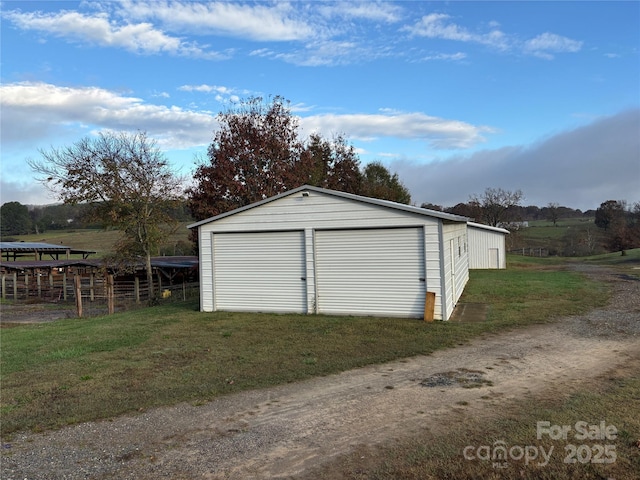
{"type": "Point", "coordinates": [206, 271]}
{"type": "Point", "coordinates": [433, 262]}
{"type": "Point", "coordinates": [318, 211]}
{"type": "Point", "coordinates": [483, 244]}
{"type": "Point", "coordinates": [456, 261]}
{"type": "Point", "coordinates": [371, 272]}
{"type": "Point", "coordinates": [260, 272]}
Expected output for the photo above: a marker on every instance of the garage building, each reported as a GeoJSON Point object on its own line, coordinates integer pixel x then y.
{"type": "Point", "coordinates": [313, 250]}
{"type": "Point", "coordinates": [487, 246]}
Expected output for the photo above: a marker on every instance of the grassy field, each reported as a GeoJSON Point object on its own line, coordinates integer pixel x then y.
{"type": "Point", "coordinates": [84, 369]}
{"type": "Point", "coordinates": [567, 237]}
{"type": "Point", "coordinates": [98, 240]}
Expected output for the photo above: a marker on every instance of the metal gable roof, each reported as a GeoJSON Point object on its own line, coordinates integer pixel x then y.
{"type": "Point", "coordinates": [350, 196]}
{"type": "Point", "coordinates": [481, 226]}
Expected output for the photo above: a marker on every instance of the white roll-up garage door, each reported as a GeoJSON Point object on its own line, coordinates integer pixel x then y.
{"type": "Point", "coordinates": [259, 272]}
{"type": "Point", "coordinates": [371, 272]}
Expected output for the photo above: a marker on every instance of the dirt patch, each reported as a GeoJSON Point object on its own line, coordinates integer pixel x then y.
{"type": "Point", "coordinates": [294, 429]}
{"type": "Point", "coordinates": [470, 312]}
{"type": "Point", "coordinates": [13, 314]}
{"type": "Point", "coordinates": [461, 377]}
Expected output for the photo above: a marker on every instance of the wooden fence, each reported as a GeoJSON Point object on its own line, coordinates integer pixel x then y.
{"type": "Point", "coordinates": [91, 291]}
{"type": "Point", "coordinates": [530, 251]}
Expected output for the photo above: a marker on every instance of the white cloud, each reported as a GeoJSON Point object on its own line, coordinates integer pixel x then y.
{"type": "Point", "coordinates": [261, 22]}
{"type": "Point", "coordinates": [447, 57]}
{"type": "Point", "coordinates": [437, 25]}
{"type": "Point", "coordinates": [437, 132]}
{"type": "Point", "coordinates": [328, 53]}
{"type": "Point", "coordinates": [205, 88]}
{"type": "Point", "coordinates": [37, 110]}
{"type": "Point", "coordinates": [546, 44]}
{"type": "Point", "coordinates": [374, 11]}
{"type": "Point", "coordinates": [33, 111]}
{"type": "Point", "coordinates": [99, 30]}
{"type": "Point", "coordinates": [221, 93]}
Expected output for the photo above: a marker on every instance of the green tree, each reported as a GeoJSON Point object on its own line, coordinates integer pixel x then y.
{"type": "Point", "coordinates": [128, 182]}
{"type": "Point", "coordinates": [621, 225]}
{"type": "Point", "coordinates": [378, 182]}
{"type": "Point", "coordinates": [609, 213]}
{"type": "Point", "coordinates": [330, 164]}
{"type": "Point", "coordinates": [14, 219]}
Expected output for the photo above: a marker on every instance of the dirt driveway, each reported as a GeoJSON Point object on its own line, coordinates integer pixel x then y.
{"type": "Point", "coordinates": [288, 430]}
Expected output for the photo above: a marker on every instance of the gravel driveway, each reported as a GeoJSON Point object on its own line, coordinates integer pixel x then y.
{"type": "Point", "coordinates": [286, 431]}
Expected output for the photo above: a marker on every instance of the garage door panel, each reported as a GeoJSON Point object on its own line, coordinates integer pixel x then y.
{"type": "Point", "coordinates": [371, 272]}
{"type": "Point", "coordinates": [260, 272]}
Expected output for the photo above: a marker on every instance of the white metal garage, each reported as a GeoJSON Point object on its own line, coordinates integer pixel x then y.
{"type": "Point", "coordinates": [312, 250]}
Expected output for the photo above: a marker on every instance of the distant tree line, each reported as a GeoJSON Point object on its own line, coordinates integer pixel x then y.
{"type": "Point", "coordinates": [19, 219]}
{"type": "Point", "coordinates": [516, 213]}
{"type": "Point", "coordinates": [618, 221]}
{"type": "Point", "coordinates": [621, 223]}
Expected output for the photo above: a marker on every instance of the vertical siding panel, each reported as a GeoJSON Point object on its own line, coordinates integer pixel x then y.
{"type": "Point", "coordinates": [445, 275]}
{"type": "Point", "coordinates": [310, 269]}
{"type": "Point", "coordinates": [433, 266]}
{"type": "Point", "coordinates": [205, 239]}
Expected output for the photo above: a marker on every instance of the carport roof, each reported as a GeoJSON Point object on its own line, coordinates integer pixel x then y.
{"type": "Point", "coordinates": [350, 196]}
{"type": "Point", "coordinates": [40, 247]}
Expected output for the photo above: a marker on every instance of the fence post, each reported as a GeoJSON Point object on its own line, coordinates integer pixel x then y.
{"type": "Point", "coordinates": [64, 285]}
{"type": "Point", "coordinates": [136, 289]}
{"type": "Point", "coordinates": [110, 294]}
{"type": "Point", "coordinates": [15, 286]}
{"type": "Point", "coordinates": [78, 294]}
{"type": "Point", "coordinates": [4, 287]}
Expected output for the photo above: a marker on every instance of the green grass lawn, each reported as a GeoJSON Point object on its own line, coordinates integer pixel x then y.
{"type": "Point", "coordinates": [85, 369]}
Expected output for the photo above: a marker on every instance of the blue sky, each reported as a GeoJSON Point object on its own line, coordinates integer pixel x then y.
{"type": "Point", "coordinates": [453, 96]}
